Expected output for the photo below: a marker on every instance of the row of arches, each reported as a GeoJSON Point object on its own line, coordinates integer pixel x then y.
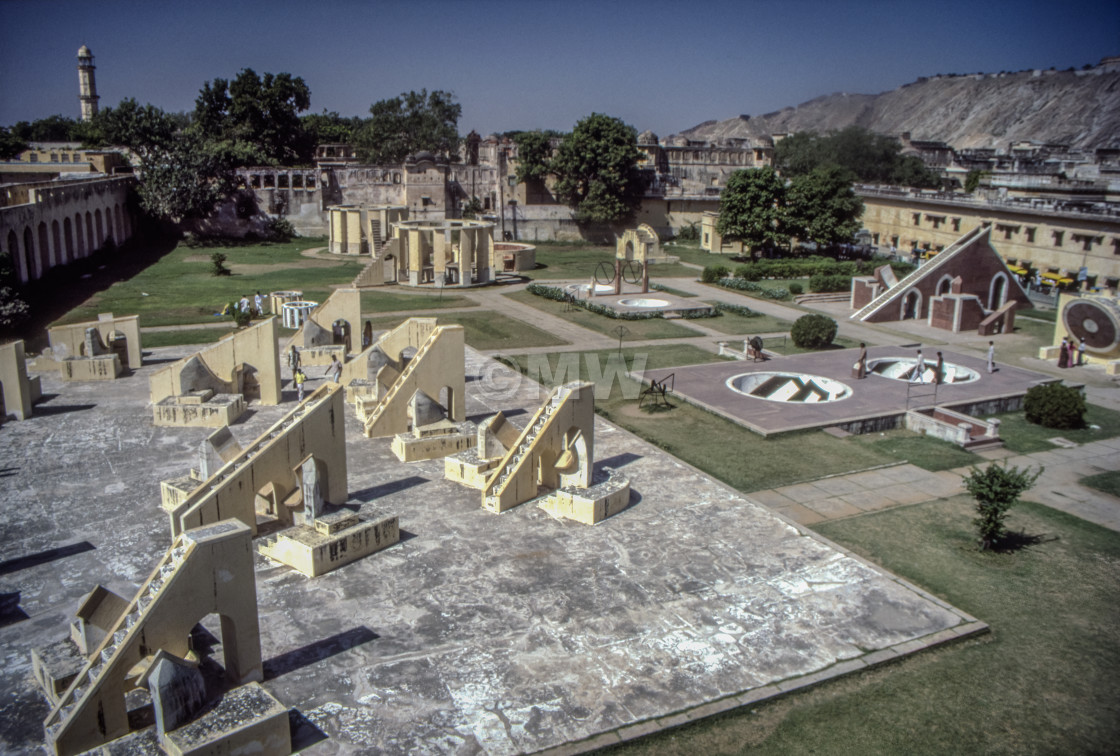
{"type": "Point", "coordinates": [910, 307]}
{"type": "Point", "coordinates": [37, 249]}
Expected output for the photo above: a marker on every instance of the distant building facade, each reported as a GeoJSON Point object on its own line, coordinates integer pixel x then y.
{"type": "Point", "coordinates": [52, 223]}
{"type": "Point", "coordinates": [1051, 236]}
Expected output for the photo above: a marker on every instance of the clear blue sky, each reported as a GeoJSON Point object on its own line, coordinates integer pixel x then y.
{"type": "Point", "coordinates": [658, 65]}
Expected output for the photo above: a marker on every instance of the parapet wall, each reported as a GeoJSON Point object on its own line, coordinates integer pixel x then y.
{"type": "Point", "coordinates": [255, 346]}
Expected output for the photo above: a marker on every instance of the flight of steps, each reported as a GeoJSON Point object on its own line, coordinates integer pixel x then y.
{"type": "Point", "coordinates": [101, 661]}
{"type": "Point", "coordinates": [513, 460]}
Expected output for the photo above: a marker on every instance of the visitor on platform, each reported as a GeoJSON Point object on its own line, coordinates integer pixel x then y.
{"type": "Point", "coordinates": [919, 369]}
{"type": "Point", "coordinates": [300, 378]}
{"type": "Point", "coordinates": [334, 370]}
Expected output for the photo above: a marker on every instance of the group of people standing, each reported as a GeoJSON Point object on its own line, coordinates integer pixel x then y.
{"type": "Point", "coordinates": [256, 307]}
{"type": "Point", "coordinates": [1072, 352]}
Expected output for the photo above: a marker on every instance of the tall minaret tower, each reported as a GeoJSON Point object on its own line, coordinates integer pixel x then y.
{"type": "Point", "coordinates": [88, 87]}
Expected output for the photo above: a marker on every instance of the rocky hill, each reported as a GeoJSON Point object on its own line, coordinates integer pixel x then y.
{"type": "Point", "coordinates": [1077, 108]}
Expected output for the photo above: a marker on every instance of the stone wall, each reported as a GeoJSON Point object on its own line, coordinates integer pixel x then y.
{"type": "Point", "coordinates": [62, 222]}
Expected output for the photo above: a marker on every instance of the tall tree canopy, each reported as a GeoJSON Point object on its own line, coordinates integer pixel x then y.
{"type": "Point", "coordinates": [822, 208]}
{"type": "Point", "coordinates": [534, 155]}
{"type": "Point", "coordinates": [596, 170]}
{"type": "Point", "coordinates": [752, 209]}
{"type": "Point", "coordinates": [866, 155]}
{"type": "Point", "coordinates": [257, 116]}
{"type": "Point", "coordinates": [330, 128]}
{"type": "Point", "coordinates": [10, 144]}
{"type": "Point", "coordinates": [414, 121]}
{"type": "Point", "coordinates": [185, 178]}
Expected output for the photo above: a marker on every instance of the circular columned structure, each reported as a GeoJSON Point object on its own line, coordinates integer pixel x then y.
{"type": "Point", "coordinates": [446, 253]}
{"type": "Point", "coordinates": [902, 369]}
{"type": "Point", "coordinates": [643, 303]}
{"type": "Point", "coordinates": [296, 312]}
{"type": "Point", "coordinates": [277, 300]}
{"type": "Point", "coordinates": [1097, 320]}
{"type": "Point", "coordinates": [797, 388]}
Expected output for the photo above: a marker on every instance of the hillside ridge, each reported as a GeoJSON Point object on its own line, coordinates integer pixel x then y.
{"type": "Point", "coordinates": [1080, 109]}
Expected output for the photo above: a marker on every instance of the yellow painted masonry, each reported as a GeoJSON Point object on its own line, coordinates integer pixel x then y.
{"type": "Point", "coordinates": [1063, 242]}
{"type": "Point", "coordinates": [251, 352]}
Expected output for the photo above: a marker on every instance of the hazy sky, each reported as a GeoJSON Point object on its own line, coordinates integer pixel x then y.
{"type": "Point", "coordinates": [664, 66]}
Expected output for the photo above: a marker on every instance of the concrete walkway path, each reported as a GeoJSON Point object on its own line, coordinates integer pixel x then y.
{"type": "Point", "coordinates": [873, 490]}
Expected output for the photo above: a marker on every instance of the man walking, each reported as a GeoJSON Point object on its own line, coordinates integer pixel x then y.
{"type": "Point", "coordinates": [991, 357]}
{"type": "Point", "coordinates": [919, 369]}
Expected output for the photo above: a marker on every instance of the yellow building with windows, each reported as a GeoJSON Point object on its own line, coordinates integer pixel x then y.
{"type": "Point", "coordinates": [1056, 238]}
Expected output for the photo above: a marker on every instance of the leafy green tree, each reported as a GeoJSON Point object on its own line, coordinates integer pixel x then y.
{"type": "Point", "coordinates": [972, 180]}
{"type": "Point", "coordinates": [822, 207]}
{"type": "Point", "coordinates": [868, 156]}
{"type": "Point", "coordinates": [414, 121]}
{"type": "Point", "coordinates": [597, 170]}
{"type": "Point", "coordinates": [753, 209]}
{"type": "Point", "coordinates": [143, 128]}
{"type": "Point", "coordinates": [185, 179]}
{"type": "Point", "coordinates": [472, 208]}
{"type": "Point", "coordinates": [534, 155]}
{"type": "Point", "coordinates": [996, 489]}
{"type": "Point", "coordinates": [10, 144]}
{"type": "Point", "coordinates": [258, 112]}
{"type": "Point", "coordinates": [911, 171]}
{"type": "Point", "coordinates": [800, 153]}
{"type": "Point", "coordinates": [330, 128]}
{"type": "Point", "coordinates": [55, 128]}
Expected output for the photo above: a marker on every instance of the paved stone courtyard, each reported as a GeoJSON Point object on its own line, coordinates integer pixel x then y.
{"type": "Point", "coordinates": [484, 633]}
{"type": "Point", "coordinates": [872, 397]}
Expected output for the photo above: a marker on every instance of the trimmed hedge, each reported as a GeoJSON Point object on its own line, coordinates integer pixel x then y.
{"type": "Point", "coordinates": [823, 282]}
{"type": "Point", "coordinates": [738, 284]}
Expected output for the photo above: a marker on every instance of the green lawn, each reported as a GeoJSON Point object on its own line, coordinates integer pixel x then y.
{"type": "Point", "coordinates": [485, 330]}
{"type": "Point", "coordinates": [1108, 482]}
{"type": "Point", "coordinates": [636, 330]}
{"type": "Point", "coordinates": [1046, 680]}
{"type": "Point", "coordinates": [690, 252]}
{"type": "Point", "coordinates": [923, 451]}
{"type": "Point", "coordinates": [179, 288]}
{"type": "Point", "coordinates": [1023, 438]}
{"type": "Point", "coordinates": [733, 324]}
{"type": "Point", "coordinates": [386, 300]}
{"type": "Point", "coordinates": [156, 339]}
{"type": "Point", "coordinates": [579, 261]}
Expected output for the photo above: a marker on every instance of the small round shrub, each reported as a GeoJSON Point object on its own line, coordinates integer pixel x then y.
{"type": "Point", "coordinates": [1053, 405]}
{"type": "Point", "coordinates": [713, 273]}
{"type": "Point", "coordinates": [813, 331]}
{"type": "Point", "coordinates": [795, 288]}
